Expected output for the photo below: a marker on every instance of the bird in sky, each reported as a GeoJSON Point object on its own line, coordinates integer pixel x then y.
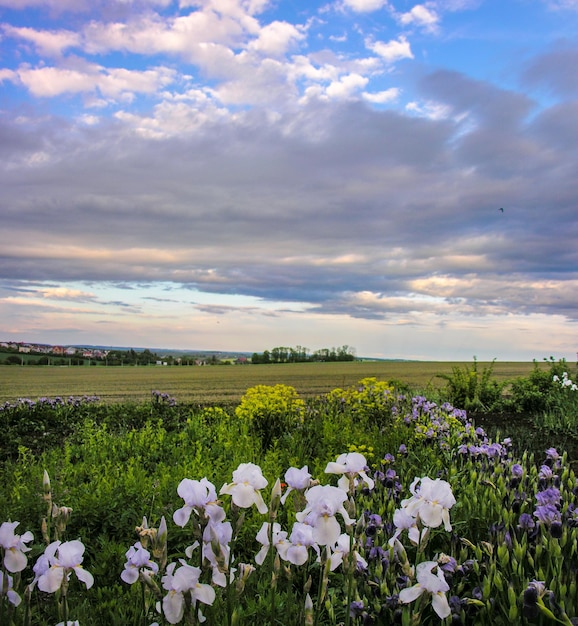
{"type": "Point", "coordinates": [501, 209]}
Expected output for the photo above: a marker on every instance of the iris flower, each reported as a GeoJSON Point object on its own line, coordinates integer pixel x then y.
{"type": "Point", "coordinates": [296, 479]}
{"type": "Point", "coordinates": [199, 496]}
{"type": "Point", "coordinates": [279, 541]}
{"type": "Point", "coordinates": [14, 546]}
{"type": "Point", "coordinates": [138, 560]}
{"type": "Point", "coordinates": [216, 549]}
{"type": "Point", "coordinates": [7, 589]}
{"type": "Point", "coordinates": [63, 559]}
{"type": "Point", "coordinates": [431, 502]}
{"type": "Point", "coordinates": [301, 540]}
{"type": "Point", "coordinates": [248, 480]}
{"type": "Point", "coordinates": [341, 550]}
{"type": "Point", "coordinates": [179, 582]}
{"type": "Point", "coordinates": [428, 582]}
{"type": "Point", "coordinates": [402, 520]}
{"type": "Point", "coordinates": [351, 465]}
{"type": "Point", "coordinates": [323, 504]}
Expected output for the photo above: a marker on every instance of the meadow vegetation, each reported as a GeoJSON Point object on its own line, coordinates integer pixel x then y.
{"type": "Point", "coordinates": [368, 503]}
{"type": "Point", "coordinates": [227, 384]}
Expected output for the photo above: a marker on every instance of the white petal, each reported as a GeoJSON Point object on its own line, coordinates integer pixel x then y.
{"type": "Point", "coordinates": [84, 576]}
{"type": "Point", "coordinates": [51, 580]}
{"type": "Point", "coordinates": [409, 594]}
{"type": "Point", "coordinates": [260, 503]}
{"type": "Point", "coordinates": [446, 520]}
{"type": "Point", "coordinates": [13, 597]}
{"type": "Point", "coordinates": [129, 575]}
{"type": "Point", "coordinates": [14, 560]}
{"type": "Point", "coordinates": [174, 607]}
{"type": "Point", "coordinates": [204, 593]}
{"type": "Point", "coordinates": [261, 555]}
{"type": "Point", "coordinates": [244, 496]}
{"type": "Point", "coordinates": [336, 560]}
{"type": "Point", "coordinates": [335, 468]}
{"type": "Point", "coordinates": [367, 480]}
{"type": "Point", "coordinates": [326, 531]}
{"type": "Point", "coordinates": [440, 604]}
{"type": "Point", "coordinates": [413, 534]}
{"type": "Point", "coordinates": [297, 555]}
{"type": "Point", "coordinates": [431, 515]}
{"type": "Point", "coordinates": [182, 516]}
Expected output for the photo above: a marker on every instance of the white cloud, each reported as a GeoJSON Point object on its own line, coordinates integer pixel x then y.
{"type": "Point", "coordinates": [382, 97]}
{"type": "Point", "coordinates": [430, 110]}
{"type": "Point", "coordinates": [50, 43]}
{"type": "Point", "coordinates": [57, 7]}
{"type": "Point", "coordinates": [229, 7]}
{"type": "Point", "coordinates": [65, 293]}
{"type": "Point", "coordinates": [346, 86]}
{"type": "Point", "coordinates": [6, 74]}
{"type": "Point", "coordinates": [420, 15]}
{"type": "Point", "coordinates": [391, 51]}
{"type": "Point", "coordinates": [53, 81]}
{"type": "Point", "coordinates": [276, 38]}
{"type": "Point", "coordinates": [182, 35]}
{"type": "Point", "coordinates": [113, 83]}
{"type": "Point", "coordinates": [256, 131]}
{"type": "Point", "coordinates": [365, 6]}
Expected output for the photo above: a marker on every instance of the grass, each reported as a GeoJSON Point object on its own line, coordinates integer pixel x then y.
{"type": "Point", "coordinates": [112, 464]}
{"type": "Point", "coordinates": [225, 384]}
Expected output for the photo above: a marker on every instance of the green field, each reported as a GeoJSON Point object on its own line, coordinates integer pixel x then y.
{"type": "Point", "coordinates": [222, 384]}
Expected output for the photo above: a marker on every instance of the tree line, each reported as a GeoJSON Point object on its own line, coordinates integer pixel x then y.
{"type": "Point", "coordinates": [299, 354]}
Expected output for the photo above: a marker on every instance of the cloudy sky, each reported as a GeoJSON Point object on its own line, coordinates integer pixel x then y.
{"type": "Point", "coordinates": [245, 174]}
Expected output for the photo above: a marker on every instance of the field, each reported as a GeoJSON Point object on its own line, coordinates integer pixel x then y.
{"type": "Point", "coordinates": [240, 450]}
{"type": "Point", "coordinates": [224, 384]}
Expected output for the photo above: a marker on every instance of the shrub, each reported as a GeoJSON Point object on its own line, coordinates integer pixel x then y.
{"type": "Point", "coordinates": [538, 392]}
{"type": "Point", "coordinates": [370, 398]}
{"type": "Point", "coordinates": [474, 390]}
{"type": "Point", "coordinates": [271, 411]}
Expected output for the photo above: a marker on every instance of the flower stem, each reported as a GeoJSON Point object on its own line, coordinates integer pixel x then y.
{"type": "Point", "coordinates": [272, 594]}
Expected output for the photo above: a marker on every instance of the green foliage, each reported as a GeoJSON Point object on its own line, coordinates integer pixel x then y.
{"type": "Point", "coordinates": [42, 424]}
{"type": "Point", "coordinates": [369, 400]}
{"type": "Point", "coordinates": [300, 354]}
{"type": "Point", "coordinates": [113, 465]}
{"type": "Point", "coordinates": [474, 390]}
{"type": "Point", "coordinates": [538, 393]}
{"type": "Point", "coordinates": [271, 411]}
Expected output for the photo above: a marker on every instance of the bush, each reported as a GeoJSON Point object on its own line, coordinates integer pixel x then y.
{"type": "Point", "coordinates": [538, 392]}
{"type": "Point", "coordinates": [369, 399]}
{"type": "Point", "coordinates": [475, 391]}
{"type": "Point", "coordinates": [271, 411]}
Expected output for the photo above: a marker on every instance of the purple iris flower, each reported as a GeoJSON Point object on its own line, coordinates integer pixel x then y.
{"type": "Point", "coordinates": [356, 608]}
{"type": "Point", "coordinates": [549, 496]}
{"type": "Point", "coordinates": [545, 473]}
{"type": "Point", "coordinates": [547, 514]}
{"type": "Point", "coordinates": [552, 454]}
{"type": "Point", "coordinates": [526, 522]}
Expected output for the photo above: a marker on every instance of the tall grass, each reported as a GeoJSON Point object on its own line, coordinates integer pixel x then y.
{"type": "Point", "coordinates": [115, 463]}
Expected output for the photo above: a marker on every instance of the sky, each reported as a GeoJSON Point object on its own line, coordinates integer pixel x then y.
{"type": "Point", "coordinates": [238, 175]}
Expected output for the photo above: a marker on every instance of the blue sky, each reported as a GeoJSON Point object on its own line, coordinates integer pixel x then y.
{"type": "Point", "coordinates": [245, 174]}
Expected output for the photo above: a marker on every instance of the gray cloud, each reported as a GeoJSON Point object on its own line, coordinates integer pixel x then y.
{"type": "Point", "coordinates": [335, 205]}
{"type": "Point", "coordinates": [267, 209]}
{"type": "Point", "coordinates": [555, 71]}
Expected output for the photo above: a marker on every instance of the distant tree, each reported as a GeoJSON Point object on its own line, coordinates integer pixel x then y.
{"type": "Point", "coordinates": [299, 354]}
